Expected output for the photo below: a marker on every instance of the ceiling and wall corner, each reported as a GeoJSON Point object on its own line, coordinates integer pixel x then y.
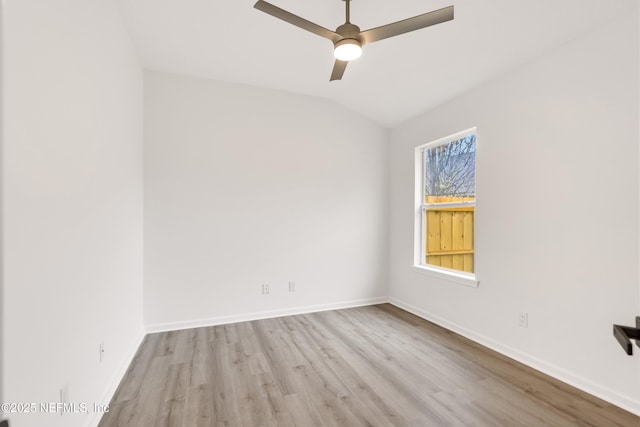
{"type": "Point", "coordinates": [394, 80]}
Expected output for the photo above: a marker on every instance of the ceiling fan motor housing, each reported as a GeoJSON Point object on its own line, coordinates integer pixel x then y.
{"type": "Point", "coordinates": [349, 31]}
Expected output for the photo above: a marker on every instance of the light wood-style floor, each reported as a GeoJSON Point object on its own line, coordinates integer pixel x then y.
{"type": "Point", "coordinates": [368, 366]}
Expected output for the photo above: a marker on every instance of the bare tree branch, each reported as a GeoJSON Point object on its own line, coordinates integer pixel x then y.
{"type": "Point", "coordinates": [450, 169]}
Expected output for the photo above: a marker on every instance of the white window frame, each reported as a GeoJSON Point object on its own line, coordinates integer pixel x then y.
{"type": "Point", "coordinates": [419, 262]}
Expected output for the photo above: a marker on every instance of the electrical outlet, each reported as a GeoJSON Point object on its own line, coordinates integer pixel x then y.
{"type": "Point", "coordinates": [101, 352]}
{"type": "Point", "coordinates": [265, 288]}
{"type": "Point", "coordinates": [523, 320]}
{"type": "Point", "coordinates": [292, 286]}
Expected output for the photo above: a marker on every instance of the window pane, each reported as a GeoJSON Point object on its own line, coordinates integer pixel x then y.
{"type": "Point", "coordinates": [450, 171]}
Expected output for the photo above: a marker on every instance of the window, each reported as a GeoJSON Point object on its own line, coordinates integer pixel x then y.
{"type": "Point", "coordinates": [446, 205]}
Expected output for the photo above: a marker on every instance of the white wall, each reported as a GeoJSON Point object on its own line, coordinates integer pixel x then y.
{"type": "Point", "coordinates": [2, 346]}
{"type": "Point", "coordinates": [557, 213]}
{"type": "Point", "coordinates": [245, 186]}
{"type": "Point", "coordinates": [72, 173]}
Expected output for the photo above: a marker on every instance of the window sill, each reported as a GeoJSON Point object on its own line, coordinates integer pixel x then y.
{"type": "Point", "coordinates": [450, 275]}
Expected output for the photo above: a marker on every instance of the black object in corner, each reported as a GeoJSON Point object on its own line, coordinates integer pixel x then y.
{"type": "Point", "coordinates": [4, 423]}
{"type": "Point", "coordinates": [624, 335]}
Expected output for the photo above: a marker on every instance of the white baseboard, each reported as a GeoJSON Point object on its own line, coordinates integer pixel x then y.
{"type": "Point", "coordinates": [625, 402]}
{"type": "Point", "coordinates": [117, 378]}
{"type": "Point", "coordinates": [223, 320]}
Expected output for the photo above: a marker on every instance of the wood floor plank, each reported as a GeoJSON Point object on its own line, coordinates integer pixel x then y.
{"type": "Point", "coordinates": [368, 366]}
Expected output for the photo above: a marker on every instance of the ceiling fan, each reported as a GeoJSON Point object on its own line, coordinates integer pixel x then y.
{"type": "Point", "coordinates": [348, 39]}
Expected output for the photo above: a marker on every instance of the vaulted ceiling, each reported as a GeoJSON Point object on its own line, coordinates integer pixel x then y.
{"type": "Point", "coordinates": [394, 80]}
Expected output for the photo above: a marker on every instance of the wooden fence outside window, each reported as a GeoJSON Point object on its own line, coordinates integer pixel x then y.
{"type": "Point", "coordinates": [450, 238]}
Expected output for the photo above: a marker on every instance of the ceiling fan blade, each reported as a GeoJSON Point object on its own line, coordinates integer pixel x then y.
{"type": "Point", "coordinates": [338, 70]}
{"type": "Point", "coordinates": [296, 20]}
{"type": "Point", "coordinates": [421, 21]}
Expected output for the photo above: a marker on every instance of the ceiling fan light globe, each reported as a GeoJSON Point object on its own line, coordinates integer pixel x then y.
{"type": "Point", "coordinates": [347, 50]}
